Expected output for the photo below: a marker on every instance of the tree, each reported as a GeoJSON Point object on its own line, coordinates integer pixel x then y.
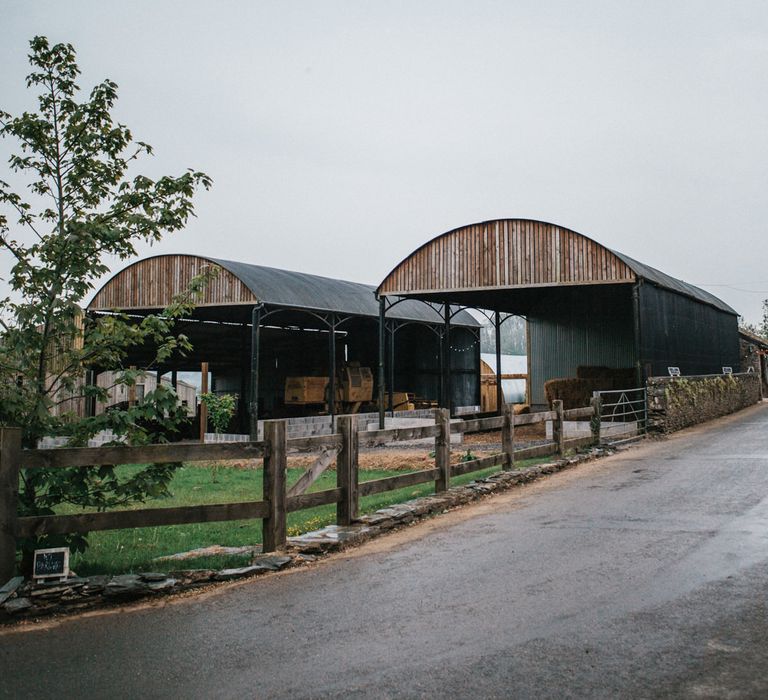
{"type": "Point", "coordinates": [81, 207]}
{"type": "Point", "coordinates": [761, 328]}
{"type": "Point", "coordinates": [221, 408]}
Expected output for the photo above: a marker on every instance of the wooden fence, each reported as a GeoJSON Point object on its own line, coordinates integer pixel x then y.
{"type": "Point", "coordinates": [277, 500]}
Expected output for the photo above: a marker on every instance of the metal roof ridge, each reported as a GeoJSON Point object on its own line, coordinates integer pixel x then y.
{"type": "Point", "coordinates": [673, 284]}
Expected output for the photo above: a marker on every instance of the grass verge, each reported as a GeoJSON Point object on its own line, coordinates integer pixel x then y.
{"type": "Point", "coordinates": [131, 550]}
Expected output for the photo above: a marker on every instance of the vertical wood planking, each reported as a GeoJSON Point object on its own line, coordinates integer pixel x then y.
{"type": "Point", "coordinates": [503, 253]}
{"type": "Point", "coordinates": [152, 283]}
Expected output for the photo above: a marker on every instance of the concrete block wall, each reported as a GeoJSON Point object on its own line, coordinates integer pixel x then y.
{"type": "Point", "coordinates": [678, 402]}
{"type": "Point", "coordinates": [309, 426]}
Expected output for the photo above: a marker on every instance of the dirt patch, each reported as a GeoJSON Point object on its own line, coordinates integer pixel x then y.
{"type": "Point", "coordinates": [385, 459]}
{"type": "Point", "coordinates": [536, 431]}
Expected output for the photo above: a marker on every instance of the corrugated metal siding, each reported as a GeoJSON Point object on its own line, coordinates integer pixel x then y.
{"type": "Point", "coordinates": [502, 254]}
{"type": "Point", "coordinates": [678, 331]}
{"type": "Point", "coordinates": [585, 329]}
{"type": "Point", "coordinates": [153, 282]}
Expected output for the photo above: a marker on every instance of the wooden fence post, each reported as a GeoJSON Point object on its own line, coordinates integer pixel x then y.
{"type": "Point", "coordinates": [10, 455]}
{"type": "Point", "coordinates": [275, 449]}
{"type": "Point", "coordinates": [597, 406]}
{"type": "Point", "coordinates": [508, 437]}
{"type": "Point", "coordinates": [347, 471]}
{"type": "Point", "coordinates": [443, 449]}
{"type": "Point", "coordinates": [558, 434]}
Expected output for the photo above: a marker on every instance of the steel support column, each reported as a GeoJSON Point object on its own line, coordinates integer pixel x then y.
{"type": "Point", "coordinates": [447, 398]}
{"type": "Point", "coordinates": [391, 384]}
{"type": "Point", "coordinates": [499, 392]}
{"type": "Point", "coordinates": [332, 367]}
{"type": "Point", "coordinates": [254, 402]}
{"type": "Point", "coordinates": [382, 345]}
{"type": "Point", "coordinates": [639, 368]}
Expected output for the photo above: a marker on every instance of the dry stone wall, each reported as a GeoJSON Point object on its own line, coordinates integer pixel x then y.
{"type": "Point", "coordinates": [678, 402]}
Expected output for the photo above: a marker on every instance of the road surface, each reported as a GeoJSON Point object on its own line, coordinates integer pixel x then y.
{"type": "Point", "coordinates": [640, 575]}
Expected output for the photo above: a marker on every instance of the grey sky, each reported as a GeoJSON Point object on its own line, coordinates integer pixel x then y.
{"type": "Point", "coordinates": [343, 135]}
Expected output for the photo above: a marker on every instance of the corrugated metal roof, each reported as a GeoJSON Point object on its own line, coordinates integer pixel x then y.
{"type": "Point", "coordinates": [303, 291]}
{"type": "Point", "coordinates": [663, 280]}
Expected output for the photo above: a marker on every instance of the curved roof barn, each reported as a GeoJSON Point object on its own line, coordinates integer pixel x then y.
{"type": "Point", "coordinates": [151, 283]}
{"type": "Point", "coordinates": [522, 253]}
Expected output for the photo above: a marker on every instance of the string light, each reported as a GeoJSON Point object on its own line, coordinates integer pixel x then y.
{"type": "Point", "coordinates": [469, 348]}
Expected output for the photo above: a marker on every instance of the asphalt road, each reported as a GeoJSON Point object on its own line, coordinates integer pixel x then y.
{"type": "Point", "coordinates": [640, 575]}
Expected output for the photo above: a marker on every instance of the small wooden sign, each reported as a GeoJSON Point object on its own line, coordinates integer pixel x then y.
{"type": "Point", "coordinates": [51, 563]}
{"type": "Point", "coordinates": [727, 370]}
{"type": "Point", "coordinates": [673, 371]}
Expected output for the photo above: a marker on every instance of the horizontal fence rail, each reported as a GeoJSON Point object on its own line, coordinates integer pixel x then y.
{"type": "Point", "coordinates": [277, 500]}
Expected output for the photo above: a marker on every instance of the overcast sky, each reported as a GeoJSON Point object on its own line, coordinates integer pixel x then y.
{"type": "Point", "coordinates": [342, 135]}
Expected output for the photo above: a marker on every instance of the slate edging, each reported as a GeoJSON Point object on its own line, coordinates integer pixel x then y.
{"type": "Point", "coordinates": [333, 538]}
{"type": "Point", "coordinates": [35, 600]}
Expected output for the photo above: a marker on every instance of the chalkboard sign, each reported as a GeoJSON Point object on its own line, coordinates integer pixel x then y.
{"type": "Point", "coordinates": [727, 370]}
{"type": "Point", "coordinates": [51, 563]}
{"type": "Point", "coordinates": [673, 371]}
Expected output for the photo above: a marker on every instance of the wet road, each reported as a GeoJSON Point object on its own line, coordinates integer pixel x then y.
{"type": "Point", "coordinates": [641, 575]}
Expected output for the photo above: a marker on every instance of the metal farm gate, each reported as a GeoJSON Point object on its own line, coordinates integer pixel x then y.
{"type": "Point", "coordinates": [624, 413]}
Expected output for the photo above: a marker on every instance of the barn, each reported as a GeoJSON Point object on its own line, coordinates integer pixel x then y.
{"type": "Point", "coordinates": [587, 306]}
{"type": "Point", "coordinates": [257, 326]}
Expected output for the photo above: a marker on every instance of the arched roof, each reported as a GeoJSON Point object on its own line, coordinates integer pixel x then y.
{"type": "Point", "coordinates": [152, 282]}
{"type": "Point", "coordinates": [521, 253]}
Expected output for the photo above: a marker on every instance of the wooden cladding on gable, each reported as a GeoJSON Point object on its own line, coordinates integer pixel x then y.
{"type": "Point", "coordinates": [505, 253]}
{"type": "Point", "coordinates": [152, 284]}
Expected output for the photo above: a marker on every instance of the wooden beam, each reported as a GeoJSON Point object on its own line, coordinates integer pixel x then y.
{"type": "Point", "coordinates": [347, 471]}
{"type": "Point", "coordinates": [10, 453]}
{"type": "Point", "coordinates": [371, 438]}
{"type": "Point", "coordinates": [35, 526]}
{"type": "Point", "coordinates": [443, 450]}
{"type": "Point", "coordinates": [557, 427]}
{"type": "Point", "coordinates": [476, 465]}
{"type": "Point", "coordinates": [274, 524]}
{"type": "Point", "coordinates": [576, 413]}
{"type": "Point", "coordinates": [312, 500]}
{"type": "Point", "coordinates": [61, 457]}
{"type": "Point", "coordinates": [508, 436]}
{"type": "Point", "coordinates": [530, 418]}
{"type": "Point", "coordinates": [313, 473]}
{"type": "Point", "coordinates": [315, 442]}
{"type": "Point", "coordinates": [391, 483]}
{"type": "Point", "coordinates": [595, 425]}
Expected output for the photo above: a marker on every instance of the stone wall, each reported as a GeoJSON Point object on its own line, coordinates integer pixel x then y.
{"type": "Point", "coordinates": [677, 402]}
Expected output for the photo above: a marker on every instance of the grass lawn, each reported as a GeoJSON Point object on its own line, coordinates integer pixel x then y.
{"type": "Point", "coordinates": [131, 550]}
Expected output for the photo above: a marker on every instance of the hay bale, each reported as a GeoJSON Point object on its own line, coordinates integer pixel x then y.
{"type": "Point", "coordinates": [572, 391]}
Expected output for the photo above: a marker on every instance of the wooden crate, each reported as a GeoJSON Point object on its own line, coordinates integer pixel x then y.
{"type": "Point", "coordinates": [304, 390]}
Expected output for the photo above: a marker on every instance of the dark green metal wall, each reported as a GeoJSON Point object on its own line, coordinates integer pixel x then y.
{"type": "Point", "coordinates": [586, 326]}
{"type": "Point", "coordinates": [680, 332]}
